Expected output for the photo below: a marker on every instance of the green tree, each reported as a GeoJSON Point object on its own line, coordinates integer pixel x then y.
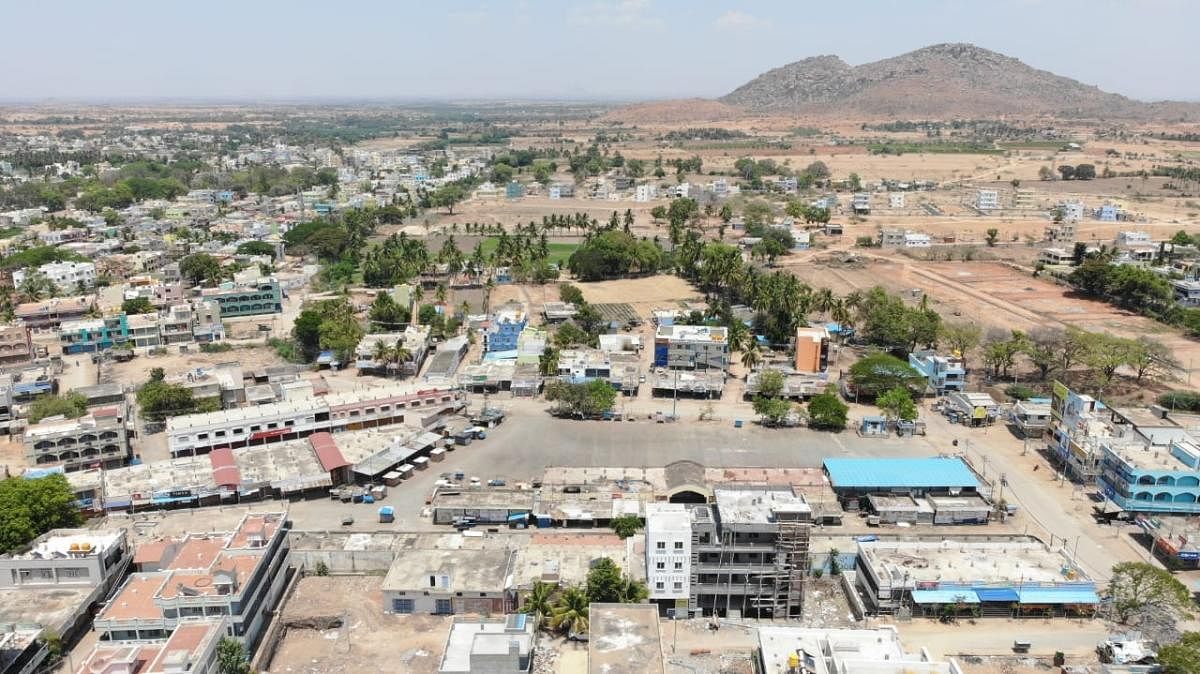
{"type": "Point", "coordinates": [570, 612]}
{"type": "Point", "coordinates": [570, 294]}
{"type": "Point", "coordinates": [878, 372]}
{"type": "Point", "coordinates": [771, 383]}
{"type": "Point", "coordinates": [231, 657]}
{"type": "Point", "coordinates": [1183, 656]}
{"type": "Point", "coordinates": [772, 410]}
{"type": "Point", "coordinates": [539, 601]}
{"type": "Point", "coordinates": [614, 253]}
{"type": "Point", "coordinates": [1138, 589]}
{"type": "Point", "coordinates": [386, 314]}
{"type": "Point", "coordinates": [584, 400]}
{"type": "Point", "coordinates": [137, 305]}
{"type": "Point", "coordinates": [1085, 172]}
{"type": "Point", "coordinates": [827, 412]}
{"type": "Point", "coordinates": [200, 269]}
{"type": "Point", "coordinates": [31, 507]}
{"type": "Point", "coordinates": [1000, 350]}
{"type": "Point", "coordinates": [897, 404]}
{"type": "Point", "coordinates": [160, 400]}
{"type": "Point", "coordinates": [256, 248]}
{"type": "Point", "coordinates": [569, 334]}
{"type": "Point", "coordinates": [726, 213]}
{"type": "Point", "coordinates": [961, 338]}
{"type": "Point", "coordinates": [756, 213]}
{"type": "Point", "coordinates": [447, 196]}
{"type": "Point", "coordinates": [72, 406]}
{"type": "Point", "coordinates": [625, 526]}
{"type": "Point", "coordinates": [1149, 357]}
{"type": "Point", "coordinates": [992, 235]}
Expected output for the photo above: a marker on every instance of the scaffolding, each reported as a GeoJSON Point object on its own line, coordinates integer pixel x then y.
{"type": "Point", "coordinates": [753, 580]}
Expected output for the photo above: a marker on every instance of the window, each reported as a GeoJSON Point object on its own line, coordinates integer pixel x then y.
{"type": "Point", "coordinates": [255, 429]}
{"type": "Point", "coordinates": [220, 434]}
{"type": "Point", "coordinates": [238, 431]}
{"type": "Point", "coordinates": [73, 572]}
{"type": "Point", "coordinates": [678, 566]}
{"type": "Point", "coordinates": [289, 423]}
{"type": "Point", "coordinates": [678, 545]}
{"type": "Point", "coordinates": [403, 606]}
{"type": "Point", "coordinates": [443, 607]}
{"type": "Point", "coordinates": [385, 408]}
{"type": "Point", "coordinates": [353, 413]}
{"type": "Point", "coordinates": [660, 565]}
{"type": "Point", "coordinates": [658, 585]}
{"type": "Point", "coordinates": [369, 410]}
{"type": "Point", "coordinates": [202, 436]}
{"type": "Point", "coordinates": [272, 425]}
{"type": "Point", "coordinates": [678, 585]}
{"type": "Point", "coordinates": [661, 545]}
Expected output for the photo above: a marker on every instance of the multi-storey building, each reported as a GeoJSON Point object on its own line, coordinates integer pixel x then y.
{"type": "Point", "coordinates": [50, 586]}
{"type": "Point", "coordinates": [414, 339]}
{"type": "Point", "coordinates": [52, 313]}
{"type": "Point", "coordinates": [896, 200]}
{"type": "Point", "coordinates": [750, 553]}
{"type": "Point", "coordinates": [68, 276]}
{"type": "Point", "coordinates": [94, 334]}
{"type": "Point", "coordinates": [861, 202]}
{"type": "Point", "coordinates": [193, 434]}
{"type": "Point", "coordinates": [96, 438]}
{"type": "Point", "coordinates": [812, 349]}
{"type": "Point", "coordinates": [669, 555]}
{"type": "Point", "coordinates": [691, 347]}
{"type": "Point", "coordinates": [236, 575]}
{"type": "Point", "coordinates": [944, 373]}
{"type": "Point", "coordinates": [747, 554]}
{"type": "Point", "coordinates": [191, 648]}
{"type": "Point", "coordinates": [15, 345]}
{"type": "Point", "coordinates": [260, 297]}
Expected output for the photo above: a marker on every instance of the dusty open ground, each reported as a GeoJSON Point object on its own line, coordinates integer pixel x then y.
{"type": "Point", "coordinates": [137, 370]}
{"type": "Point", "coordinates": [369, 640]}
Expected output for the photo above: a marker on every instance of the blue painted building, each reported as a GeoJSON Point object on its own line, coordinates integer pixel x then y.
{"type": "Point", "coordinates": [1152, 479]}
{"type": "Point", "coordinates": [514, 190]}
{"type": "Point", "coordinates": [506, 327]}
{"type": "Point", "coordinates": [852, 479]}
{"type": "Point", "coordinates": [1107, 213]}
{"type": "Point", "coordinates": [261, 297]}
{"type": "Point", "coordinates": [92, 335]}
{"type": "Point", "coordinates": [944, 373]}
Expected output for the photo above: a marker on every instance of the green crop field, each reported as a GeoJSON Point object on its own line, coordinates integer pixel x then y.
{"type": "Point", "coordinates": [559, 252]}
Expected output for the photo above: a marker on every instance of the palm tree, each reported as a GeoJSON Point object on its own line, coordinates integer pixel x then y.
{"type": "Point", "coordinates": [750, 358]}
{"type": "Point", "coordinates": [632, 591]}
{"type": "Point", "coordinates": [400, 355]}
{"type": "Point", "coordinates": [570, 611]}
{"type": "Point", "coordinates": [487, 294]}
{"type": "Point", "coordinates": [539, 601]}
{"type": "Point", "coordinates": [34, 286]}
{"type": "Point", "coordinates": [382, 354]}
{"type": "Point", "coordinates": [739, 336]}
{"type": "Point", "coordinates": [823, 300]}
{"type": "Point", "coordinates": [441, 293]}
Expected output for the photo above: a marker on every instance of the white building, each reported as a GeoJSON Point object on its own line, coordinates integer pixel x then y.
{"type": "Point", "coordinates": [785, 650]}
{"type": "Point", "coordinates": [668, 552]}
{"type": "Point", "coordinates": [861, 202]}
{"type": "Point", "coordinates": [1124, 239]}
{"type": "Point", "coordinates": [916, 240]}
{"type": "Point", "coordinates": [1072, 211]}
{"type": "Point", "coordinates": [987, 200]}
{"type": "Point", "coordinates": [644, 193]}
{"type": "Point", "coordinates": [896, 200]}
{"type": "Point", "coordinates": [66, 275]}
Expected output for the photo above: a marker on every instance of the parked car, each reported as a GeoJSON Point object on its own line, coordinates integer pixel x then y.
{"type": "Point", "coordinates": [496, 482]}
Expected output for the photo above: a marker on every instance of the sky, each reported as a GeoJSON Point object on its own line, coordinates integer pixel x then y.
{"type": "Point", "coordinates": [262, 50]}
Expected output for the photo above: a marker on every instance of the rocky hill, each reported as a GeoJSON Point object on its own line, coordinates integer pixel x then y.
{"type": "Point", "coordinates": [945, 80]}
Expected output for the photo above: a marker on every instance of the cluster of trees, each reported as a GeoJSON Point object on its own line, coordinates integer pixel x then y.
{"type": "Point", "coordinates": [327, 325]}
{"type": "Point", "coordinates": [37, 256]}
{"type": "Point", "coordinates": [525, 254]}
{"type": "Point", "coordinates": [886, 321]}
{"type": "Point", "coordinates": [159, 399]}
{"type": "Point", "coordinates": [879, 374]}
{"type": "Point", "coordinates": [566, 610]}
{"type": "Point", "coordinates": [614, 254]}
{"type": "Point", "coordinates": [388, 315]}
{"type": "Point", "coordinates": [72, 406]}
{"type": "Point", "coordinates": [397, 259]}
{"type": "Point", "coordinates": [202, 269]}
{"type": "Point", "coordinates": [705, 133]}
{"type": "Point", "coordinates": [753, 172]}
{"type": "Point", "coordinates": [1128, 286]}
{"type": "Point", "coordinates": [30, 508]}
{"type": "Point", "coordinates": [1069, 172]}
{"type": "Point", "coordinates": [825, 411]}
{"type": "Point", "coordinates": [584, 401]}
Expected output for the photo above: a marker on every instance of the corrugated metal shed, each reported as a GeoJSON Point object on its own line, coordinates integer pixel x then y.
{"type": "Point", "coordinates": [927, 473]}
{"type": "Point", "coordinates": [945, 597]}
{"type": "Point", "coordinates": [1058, 595]}
{"type": "Point", "coordinates": [327, 451]}
{"type": "Point", "coordinates": [225, 470]}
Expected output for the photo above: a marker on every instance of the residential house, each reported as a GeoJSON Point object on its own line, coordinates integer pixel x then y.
{"type": "Point", "coordinates": [51, 313]}
{"type": "Point", "coordinates": [94, 334]}
{"type": "Point", "coordinates": [691, 347]}
{"type": "Point", "coordinates": [15, 345]}
{"type": "Point", "coordinates": [68, 276]}
{"type": "Point", "coordinates": [896, 200]}
{"type": "Point", "coordinates": [861, 203]}
{"type": "Point", "coordinates": [495, 645]}
{"type": "Point", "coordinates": [414, 339]}
{"type": "Point", "coordinates": [448, 582]}
{"type": "Point", "coordinates": [1108, 213]}
{"type": "Point", "coordinates": [944, 373]}
{"type": "Point", "coordinates": [262, 297]}
{"type": "Point", "coordinates": [507, 323]}
{"type": "Point", "coordinates": [645, 192]}
{"type": "Point", "coordinates": [1056, 256]}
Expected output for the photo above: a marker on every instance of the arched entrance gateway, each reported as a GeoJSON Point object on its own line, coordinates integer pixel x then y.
{"type": "Point", "coordinates": [686, 483]}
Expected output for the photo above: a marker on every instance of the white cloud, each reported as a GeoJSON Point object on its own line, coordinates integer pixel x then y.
{"type": "Point", "coordinates": [628, 14]}
{"type": "Point", "coordinates": [736, 21]}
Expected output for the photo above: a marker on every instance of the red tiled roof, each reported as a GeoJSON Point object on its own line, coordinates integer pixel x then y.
{"type": "Point", "coordinates": [225, 470]}
{"type": "Point", "coordinates": [327, 451]}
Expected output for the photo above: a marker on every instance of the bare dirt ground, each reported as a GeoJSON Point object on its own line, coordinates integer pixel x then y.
{"type": "Point", "coordinates": [137, 370]}
{"type": "Point", "coordinates": [368, 641]}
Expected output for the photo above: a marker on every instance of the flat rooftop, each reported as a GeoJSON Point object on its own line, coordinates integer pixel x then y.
{"type": "Point", "coordinates": [1150, 458]}
{"type": "Point", "coordinates": [61, 543]}
{"type": "Point", "coordinates": [948, 561]}
{"type": "Point", "coordinates": [624, 639]}
{"type": "Point", "coordinates": [146, 479]}
{"type": "Point", "coordinates": [452, 571]}
{"type": "Point", "coordinates": [927, 473]}
{"type": "Point", "coordinates": [486, 637]}
{"type": "Point", "coordinates": [53, 607]}
{"type": "Point", "coordinates": [876, 651]}
{"type": "Point", "coordinates": [566, 558]}
{"type": "Point", "coordinates": [759, 506]}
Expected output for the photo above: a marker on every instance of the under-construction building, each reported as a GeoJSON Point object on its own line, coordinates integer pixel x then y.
{"type": "Point", "coordinates": [747, 555]}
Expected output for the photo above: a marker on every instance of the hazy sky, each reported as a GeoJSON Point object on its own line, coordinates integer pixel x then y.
{"type": "Point", "coordinates": [593, 49]}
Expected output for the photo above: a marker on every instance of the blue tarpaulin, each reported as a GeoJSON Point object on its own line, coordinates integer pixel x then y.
{"type": "Point", "coordinates": [926, 473]}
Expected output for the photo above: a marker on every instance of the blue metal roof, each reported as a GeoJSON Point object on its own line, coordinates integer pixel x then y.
{"type": "Point", "coordinates": [905, 473]}
{"type": "Point", "coordinates": [945, 597]}
{"type": "Point", "coordinates": [1058, 595]}
{"type": "Point", "coordinates": [997, 594]}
